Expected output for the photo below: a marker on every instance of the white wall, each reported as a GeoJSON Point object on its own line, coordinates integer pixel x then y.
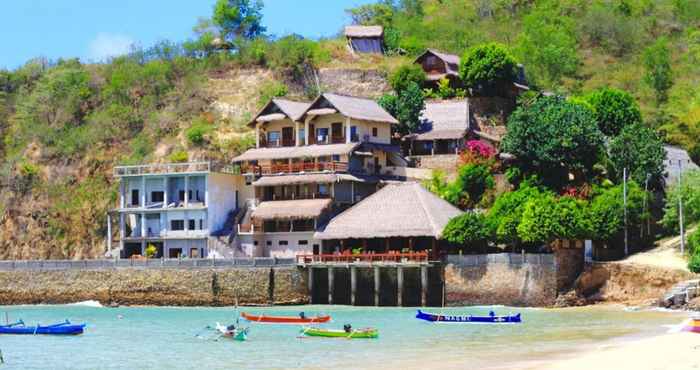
{"type": "Point", "coordinates": [222, 199]}
{"type": "Point", "coordinates": [185, 245]}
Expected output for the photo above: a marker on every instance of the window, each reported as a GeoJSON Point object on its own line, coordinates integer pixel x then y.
{"type": "Point", "coordinates": [323, 189]}
{"type": "Point", "coordinates": [181, 195]}
{"type": "Point", "coordinates": [269, 242]}
{"type": "Point", "coordinates": [375, 132]}
{"type": "Point", "coordinates": [157, 196]}
{"type": "Point", "coordinates": [283, 242]}
{"type": "Point", "coordinates": [273, 138]}
{"type": "Point", "coordinates": [201, 224]}
{"type": "Point", "coordinates": [303, 242]}
{"type": "Point", "coordinates": [322, 135]}
{"type": "Point", "coordinates": [191, 225]}
{"type": "Point", "coordinates": [197, 196]}
{"type": "Point", "coordinates": [353, 134]}
{"type": "Point", "coordinates": [135, 197]}
{"type": "Point", "coordinates": [177, 225]}
{"type": "Point", "coordinates": [336, 158]}
{"type": "Point", "coordinates": [255, 242]}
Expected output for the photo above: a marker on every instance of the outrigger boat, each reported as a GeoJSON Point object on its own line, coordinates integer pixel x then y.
{"type": "Point", "coordinates": [232, 332]}
{"type": "Point", "coordinates": [64, 328]}
{"type": "Point", "coordinates": [288, 320]}
{"type": "Point", "coordinates": [347, 333]}
{"type": "Point", "coordinates": [468, 319]}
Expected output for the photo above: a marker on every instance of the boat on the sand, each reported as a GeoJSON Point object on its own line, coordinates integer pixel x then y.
{"type": "Point", "coordinates": [365, 333]}
{"type": "Point", "coordinates": [492, 318]}
{"type": "Point", "coordinates": [290, 320]}
{"type": "Point", "coordinates": [64, 328]}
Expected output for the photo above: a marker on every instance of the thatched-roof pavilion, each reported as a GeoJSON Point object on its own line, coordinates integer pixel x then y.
{"type": "Point", "coordinates": [400, 214]}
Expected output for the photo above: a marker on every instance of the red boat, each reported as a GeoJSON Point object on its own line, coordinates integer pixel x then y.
{"type": "Point", "coordinates": [292, 320]}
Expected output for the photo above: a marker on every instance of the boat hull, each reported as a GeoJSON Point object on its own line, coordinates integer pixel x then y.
{"type": "Point", "coordinates": [285, 320]}
{"type": "Point", "coordinates": [355, 334]}
{"type": "Point", "coordinates": [692, 326]}
{"type": "Point", "coordinates": [58, 329]}
{"type": "Point", "coordinates": [462, 319]}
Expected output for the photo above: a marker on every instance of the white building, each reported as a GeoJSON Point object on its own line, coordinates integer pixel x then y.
{"type": "Point", "coordinates": [180, 209]}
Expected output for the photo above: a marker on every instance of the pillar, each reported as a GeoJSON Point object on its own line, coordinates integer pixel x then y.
{"type": "Point", "coordinates": [306, 131]}
{"type": "Point", "coordinates": [122, 230]}
{"type": "Point", "coordinates": [257, 135]}
{"type": "Point", "coordinates": [433, 148]}
{"type": "Point", "coordinates": [187, 191]}
{"type": "Point", "coordinates": [330, 285]}
{"type": "Point", "coordinates": [143, 225]}
{"type": "Point", "coordinates": [399, 280]}
{"type": "Point", "coordinates": [109, 232]}
{"type": "Point", "coordinates": [297, 136]}
{"type": "Point", "coordinates": [122, 193]}
{"type": "Point", "coordinates": [165, 192]}
{"type": "Point", "coordinates": [377, 285]}
{"type": "Point", "coordinates": [347, 130]}
{"type": "Point", "coordinates": [424, 286]}
{"type": "Point", "coordinates": [143, 192]}
{"type": "Point", "coordinates": [206, 191]}
{"type": "Point", "coordinates": [353, 284]}
{"type": "Point", "coordinates": [311, 285]}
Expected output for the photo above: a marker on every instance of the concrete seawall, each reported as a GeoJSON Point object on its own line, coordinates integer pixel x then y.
{"type": "Point", "coordinates": [165, 286]}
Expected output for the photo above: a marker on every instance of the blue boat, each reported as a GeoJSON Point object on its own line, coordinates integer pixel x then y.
{"type": "Point", "coordinates": [64, 328]}
{"type": "Point", "coordinates": [464, 319]}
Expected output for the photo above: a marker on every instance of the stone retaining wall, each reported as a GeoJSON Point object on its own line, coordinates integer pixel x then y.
{"type": "Point", "coordinates": [171, 287]}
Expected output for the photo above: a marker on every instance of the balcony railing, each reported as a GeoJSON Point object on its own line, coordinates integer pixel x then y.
{"type": "Point", "coordinates": [162, 168]}
{"type": "Point", "coordinates": [410, 257]}
{"type": "Point", "coordinates": [296, 197]}
{"type": "Point", "coordinates": [299, 167]}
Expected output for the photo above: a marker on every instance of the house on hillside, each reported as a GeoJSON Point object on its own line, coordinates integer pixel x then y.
{"type": "Point", "coordinates": [177, 208]}
{"type": "Point", "coordinates": [444, 128]}
{"type": "Point", "coordinates": [677, 162]}
{"type": "Point", "coordinates": [311, 161]}
{"type": "Point", "coordinates": [400, 216]}
{"type": "Point", "coordinates": [365, 39]}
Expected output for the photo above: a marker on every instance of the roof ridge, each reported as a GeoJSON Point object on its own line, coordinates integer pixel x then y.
{"type": "Point", "coordinates": [421, 198]}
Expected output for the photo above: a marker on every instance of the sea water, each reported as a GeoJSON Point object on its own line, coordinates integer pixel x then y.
{"type": "Point", "coordinates": [176, 338]}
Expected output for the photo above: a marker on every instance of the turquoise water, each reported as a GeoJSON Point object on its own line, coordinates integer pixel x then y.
{"type": "Point", "coordinates": [167, 338]}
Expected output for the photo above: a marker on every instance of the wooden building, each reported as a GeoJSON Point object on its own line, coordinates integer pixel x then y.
{"type": "Point", "coordinates": [365, 39]}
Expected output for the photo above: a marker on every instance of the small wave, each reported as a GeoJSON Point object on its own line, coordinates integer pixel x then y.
{"type": "Point", "coordinates": [87, 304]}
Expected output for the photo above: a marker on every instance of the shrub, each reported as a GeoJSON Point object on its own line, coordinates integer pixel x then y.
{"type": "Point", "coordinates": [471, 229]}
{"type": "Point", "coordinates": [295, 55]}
{"type": "Point", "coordinates": [402, 78]}
{"type": "Point", "coordinates": [546, 218]}
{"type": "Point", "coordinates": [151, 251]}
{"type": "Point", "coordinates": [445, 90]}
{"type": "Point", "coordinates": [690, 191]}
{"type": "Point", "coordinates": [614, 109]}
{"type": "Point", "coordinates": [694, 263]}
{"type": "Point", "coordinates": [606, 210]}
{"type": "Point", "coordinates": [467, 190]}
{"type": "Point", "coordinates": [657, 61]}
{"type": "Point", "coordinates": [694, 242]}
{"type": "Point", "coordinates": [487, 66]}
{"type": "Point", "coordinates": [506, 213]}
{"type": "Point", "coordinates": [406, 107]}
{"type": "Point", "coordinates": [179, 156]}
{"type": "Point", "coordinates": [197, 132]}
{"type": "Point", "coordinates": [271, 90]}
{"type": "Point", "coordinates": [478, 152]}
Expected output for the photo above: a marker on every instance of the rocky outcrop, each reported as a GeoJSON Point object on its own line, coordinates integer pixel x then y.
{"type": "Point", "coordinates": [162, 287]}
{"type": "Point", "coordinates": [369, 83]}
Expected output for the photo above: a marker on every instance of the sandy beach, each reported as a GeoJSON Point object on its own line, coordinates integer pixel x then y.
{"type": "Point", "coordinates": [677, 351]}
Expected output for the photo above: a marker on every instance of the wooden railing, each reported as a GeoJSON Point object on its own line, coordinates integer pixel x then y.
{"type": "Point", "coordinates": [364, 257]}
{"type": "Point", "coordinates": [301, 167]}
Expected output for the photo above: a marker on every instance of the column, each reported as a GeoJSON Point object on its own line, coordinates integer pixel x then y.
{"type": "Point", "coordinates": [187, 192]}
{"type": "Point", "coordinates": [206, 191]}
{"type": "Point", "coordinates": [297, 139]}
{"type": "Point", "coordinates": [165, 192]}
{"type": "Point", "coordinates": [377, 285]}
{"type": "Point", "coordinates": [143, 191]}
{"type": "Point", "coordinates": [311, 285]}
{"type": "Point", "coordinates": [424, 286]}
{"type": "Point", "coordinates": [143, 247]}
{"type": "Point", "coordinates": [352, 192]}
{"type": "Point", "coordinates": [433, 148]}
{"type": "Point", "coordinates": [122, 194]}
{"type": "Point", "coordinates": [143, 225]}
{"type": "Point", "coordinates": [187, 222]}
{"type": "Point", "coordinates": [399, 280]}
{"type": "Point", "coordinates": [122, 230]}
{"type": "Point", "coordinates": [353, 284]}
{"type": "Point", "coordinates": [330, 285]}
{"type": "Point", "coordinates": [257, 135]}
{"type": "Point", "coordinates": [109, 232]}
{"type": "Point", "coordinates": [347, 130]}
{"type": "Point", "coordinates": [306, 131]}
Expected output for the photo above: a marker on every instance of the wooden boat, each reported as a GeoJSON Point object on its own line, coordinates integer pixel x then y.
{"type": "Point", "coordinates": [468, 319]}
{"type": "Point", "coordinates": [232, 332]}
{"type": "Point", "coordinates": [289, 320]}
{"type": "Point", "coordinates": [64, 328]}
{"type": "Point", "coordinates": [365, 333]}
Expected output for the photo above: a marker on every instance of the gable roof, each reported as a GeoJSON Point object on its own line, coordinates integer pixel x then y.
{"type": "Point", "coordinates": [397, 210]}
{"type": "Point", "coordinates": [444, 120]}
{"type": "Point", "coordinates": [289, 108]}
{"type": "Point", "coordinates": [353, 107]}
{"type": "Point", "coordinates": [451, 61]}
{"type": "Point", "coordinates": [364, 31]}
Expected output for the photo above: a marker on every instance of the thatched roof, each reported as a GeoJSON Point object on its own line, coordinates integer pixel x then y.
{"type": "Point", "coordinates": [310, 151]}
{"type": "Point", "coordinates": [277, 109]}
{"type": "Point", "coordinates": [364, 31]}
{"type": "Point", "coordinates": [353, 107]}
{"type": "Point", "coordinates": [444, 120]}
{"type": "Point", "coordinates": [311, 178]}
{"type": "Point", "coordinates": [397, 210]}
{"type": "Point", "coordinates": [285, 210]}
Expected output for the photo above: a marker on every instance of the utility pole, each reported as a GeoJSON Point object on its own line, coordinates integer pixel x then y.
{"type": "Point", "coordinates": [646, 207]}
{"type": "Point", "coordinates": [624, 204]}
{"type": "Point", "coordinates": [680, 205]}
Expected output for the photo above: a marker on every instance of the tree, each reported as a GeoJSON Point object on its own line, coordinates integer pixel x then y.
{"type": "Point", "coordinates": [553, 138]}
{"type": "Point", "coordinates": [546, 218]}
{"type": "Point", "coordinates": [639, 149]}
{"type": "Point", "coordinates": [614, 109]}
{"type": "Point", "coordinates": [657, 61]}
{"type": "Point", "coordinates": [406, 107]}
{"type": "Point", "coordinates": [606, 211]}
{"type": "Point", "coordinates": [487, 67]}
{"type": "Point", "coordinates": [470, 229]}
{"type": "Point", "coordinates": [238, 19]}
{"type": "Point", "coordinates": [379, 14]}
{"type": "Point", "coordinates": [406, 75]}
{"type": "Point", "coordinates": [690, 191]}
{"type": "Point", "coordinates": [506, 213]}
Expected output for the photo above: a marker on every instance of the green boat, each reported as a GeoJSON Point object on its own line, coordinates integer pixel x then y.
{"type": "Point", "coordinates": [366, 333]}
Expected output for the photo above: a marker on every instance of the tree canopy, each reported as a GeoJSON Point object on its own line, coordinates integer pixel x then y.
{"type": "Point", "coordinates": [553, 138]}
{"type": "Point", "coordinates": [406, 106]}
{"type": "Point", "coordinates": [639, 149]}
{"type": "Point", "coordinates": [614, 109]}
{"type": "Point", "coordinates": [470, 229]}
{"type": "Point", "coordinates": [238, 18]}
{"type": "Point", "coordinates": [486, 67]}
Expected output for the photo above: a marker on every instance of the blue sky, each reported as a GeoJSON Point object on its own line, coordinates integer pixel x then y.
{"type": "Point", "coordinates": [95, 29]}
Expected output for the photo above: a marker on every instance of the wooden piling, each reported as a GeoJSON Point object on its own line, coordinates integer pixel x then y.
{"type": "Point", "coordinates": [330, 285]}
{"type": "Point", "coordinates": [377, 285]}
{"type": "Point", "coordinates": [353, 284]}
{"type": "Point", "coordinates": [399, 280]}
{"type": "Point", "coordinates": [311, 285]}
{"type": "Point", "coordinates": [424, 286]}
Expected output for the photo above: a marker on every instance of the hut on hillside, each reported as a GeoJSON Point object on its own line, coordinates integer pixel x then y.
{"type": "Point", "coordinates": [438, 65]}
{"type": "Point", "coordinates": [399, 217]}
{"type": "Point", "coordinates": [444, 126]}
{"type": "Point", "coordinates": [676, 163]}
{"type": "Point", "coordinates": [365, 39]}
